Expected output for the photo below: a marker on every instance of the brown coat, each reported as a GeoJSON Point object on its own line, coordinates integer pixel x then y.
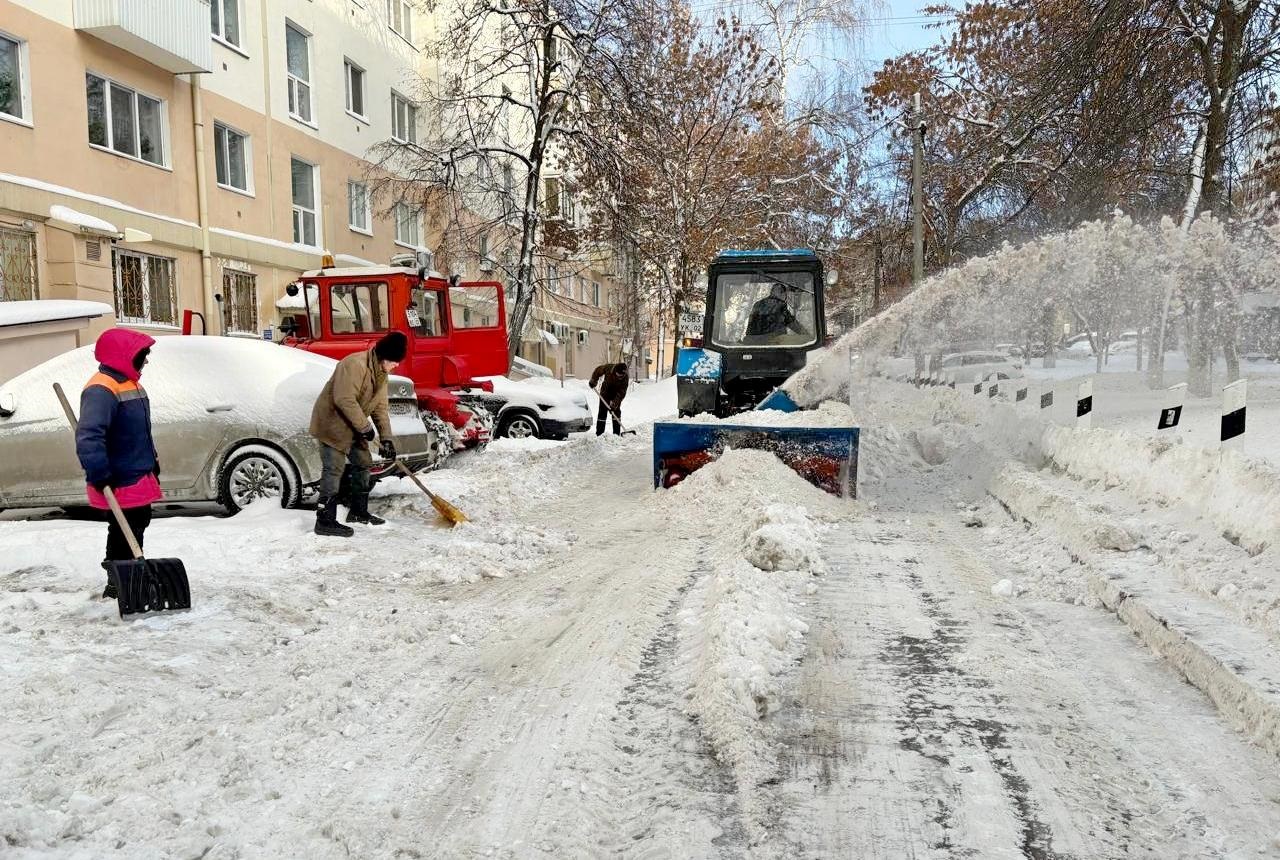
{"type": "Point", "coordinates": [613, 379]}
{"type": "Point", "coordinates": [356, 392]}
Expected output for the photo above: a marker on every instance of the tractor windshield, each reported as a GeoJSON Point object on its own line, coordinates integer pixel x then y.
{"type": "Point", "coordinates": [764, 309]}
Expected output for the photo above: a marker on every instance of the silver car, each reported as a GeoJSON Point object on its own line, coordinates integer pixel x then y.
{"type": "Point", "coordinates": [229, 417]}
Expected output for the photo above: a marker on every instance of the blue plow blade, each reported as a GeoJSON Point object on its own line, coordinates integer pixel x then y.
{"type": "Point", "coordinates": [780, 401]}
{"type": "Point", "coordinates": [826, 457]}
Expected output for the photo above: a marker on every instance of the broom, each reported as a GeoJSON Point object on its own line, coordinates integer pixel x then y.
{"type": "Point", "coordinates": [447, 510]}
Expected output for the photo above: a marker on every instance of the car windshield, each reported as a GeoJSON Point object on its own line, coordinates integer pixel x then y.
{"type": "Point", "coordinates": [764, 310]}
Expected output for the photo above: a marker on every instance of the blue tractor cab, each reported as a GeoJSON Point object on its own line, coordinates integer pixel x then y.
{"type": "Point", "coordinates": [764, 314]}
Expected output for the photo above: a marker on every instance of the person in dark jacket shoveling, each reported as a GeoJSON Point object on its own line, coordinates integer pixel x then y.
{"type": "Point", "coordinates": [351, 408]}
{"type": "Point", "coordinates": [114, 442]}
{"type": "Point", "coordinates": [613, 380]}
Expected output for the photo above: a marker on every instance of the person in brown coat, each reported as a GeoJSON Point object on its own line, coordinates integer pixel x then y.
{"type": "Point", "coordinates": [351, 408]}
{"type": "Point", "coordinates": [613, 380]}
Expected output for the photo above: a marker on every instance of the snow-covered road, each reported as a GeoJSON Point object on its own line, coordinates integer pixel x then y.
{"type": "Point", "coordinates": [741, 667]}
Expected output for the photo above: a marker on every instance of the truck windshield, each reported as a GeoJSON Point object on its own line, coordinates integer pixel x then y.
{"type": "Point", "coordinates": [764, 310]}
{"type": "Point", "coordinates": [358, 308]}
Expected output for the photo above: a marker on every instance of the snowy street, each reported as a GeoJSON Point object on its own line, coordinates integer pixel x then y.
{"type": "Point", "coordinates": [740, 666]}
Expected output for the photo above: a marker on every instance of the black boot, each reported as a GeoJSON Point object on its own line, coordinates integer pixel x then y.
{"type": "Point", "coordinates": [327, 520]}
{"type": "Point", "coordinates": [359, 511]}
{"type": "Point", "coordinates": [109, 593]}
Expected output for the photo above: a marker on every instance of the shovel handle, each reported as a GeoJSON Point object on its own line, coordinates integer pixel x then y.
{"type": "Point", "coordinates": [421, 486]}
{"type": "Point", "coordinates": [106, 491]}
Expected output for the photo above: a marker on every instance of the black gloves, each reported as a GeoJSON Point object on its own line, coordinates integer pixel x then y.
{"type": "Point", "coordinates": [387, 449]}
{"type": "Point", "coordinates": [368, 435]}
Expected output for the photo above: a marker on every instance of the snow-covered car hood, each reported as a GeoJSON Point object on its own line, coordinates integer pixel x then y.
{"type": "Point", "coordinates": [538, 392]}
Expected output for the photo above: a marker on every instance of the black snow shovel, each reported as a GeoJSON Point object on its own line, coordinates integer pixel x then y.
{"type": "Point", "coordinates": [622, 428]}
{"type": "Point", "coordinates": [142, 584]}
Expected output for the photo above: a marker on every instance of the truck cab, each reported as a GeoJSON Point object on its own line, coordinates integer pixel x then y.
{"type": "Point", "coordinates": [457, 331]}
{"type": "Point", "coordinates": [764, 315]}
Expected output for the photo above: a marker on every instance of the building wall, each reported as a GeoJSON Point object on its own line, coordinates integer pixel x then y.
{"type": "Point", "coordinates": [47, 159]}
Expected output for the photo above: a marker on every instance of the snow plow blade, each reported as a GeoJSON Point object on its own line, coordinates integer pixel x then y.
{"type": "Point", "coordinates": [826, 457]}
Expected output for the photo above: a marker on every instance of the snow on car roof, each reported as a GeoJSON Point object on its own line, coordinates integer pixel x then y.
{"type": "Point", "coordinates": [186, 375]}
{"type": "Point", "coordinates": [49, 310]}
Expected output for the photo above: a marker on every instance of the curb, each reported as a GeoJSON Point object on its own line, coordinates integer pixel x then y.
{"type": "Point", "coordinates": [1234, 665]}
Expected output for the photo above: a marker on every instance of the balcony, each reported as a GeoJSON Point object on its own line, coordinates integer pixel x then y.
{"type": "Point", "coordinates": [170, 34]}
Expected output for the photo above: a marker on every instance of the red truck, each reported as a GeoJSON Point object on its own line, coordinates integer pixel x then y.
{"type": "Point", "coordinates": [457, 331]}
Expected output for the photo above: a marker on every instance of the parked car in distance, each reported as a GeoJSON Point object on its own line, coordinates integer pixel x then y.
{"type": "Point", "coordinates": [539, 408]}
{"type": "Point", "coordinates": [967, 365]}
{"type": "Point", "coordinates": [230, 418]}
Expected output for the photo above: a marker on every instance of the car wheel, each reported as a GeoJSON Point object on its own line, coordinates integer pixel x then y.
{"type": "Point", "coordinates": [520, 425]}
{"type": "Point", "coordinates": [255, 472]}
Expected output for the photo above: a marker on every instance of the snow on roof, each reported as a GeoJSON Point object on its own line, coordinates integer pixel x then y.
{"type": "Point", "coordinates": [359, 272]}
{"type": "Point", "coordinates": [550, 338]}
{"type": "Point", "coordinates": [71, 216]}
{"type": "Point", "coordinates": [48, 310]}
{"type": "Point", "coordinates": [294, 303]}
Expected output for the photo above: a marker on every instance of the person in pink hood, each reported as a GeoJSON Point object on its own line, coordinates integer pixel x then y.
{"type": "Point", "coordinates": [114, 441]}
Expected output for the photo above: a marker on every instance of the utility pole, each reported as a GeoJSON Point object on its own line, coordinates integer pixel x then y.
{"type": "Point", "coordinates": [917, 192]}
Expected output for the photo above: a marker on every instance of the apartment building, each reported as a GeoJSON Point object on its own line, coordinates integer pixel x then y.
{"type": "Point", "coordinates": [170, 155]}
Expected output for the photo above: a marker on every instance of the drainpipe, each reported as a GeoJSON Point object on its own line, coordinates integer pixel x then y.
{"type": "Point", "coordinates": [210, 308]}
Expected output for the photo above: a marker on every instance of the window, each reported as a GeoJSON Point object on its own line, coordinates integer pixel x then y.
{"type": "Point", "coordinates": [231, 155]}
{"type": "Point", "coordinates": [18, 265]}
{"type": "Point", "coordinates": [358, 308]}
{"type": "Point", "coordinates": [354, 76]}
{"type": "Point", "coordinates": [225, 15]}
{"type": "Point", "coordinates": [404, 119]}
{"type": "Point", "coordinates": [125, 121]}
{"type": "Point", "coordinates": [595, 293]}
{"type": "Point", "coordinates": [424, 315]}
{"type": "Point", "coordinates": [298, 56]}
{"type": "Point", "coordinates": [145, 287]}
{"type": "Point", "coordinates": [400, 18]}
{"type": "Point", "coordinates": [239, 302]}
{"type": "Point", "coordinates": [460, 298]}
{"type": "Point", "coordinates": [358, 207]}
{"type": "Point", "coordinates": [552, 197]}
{"type": "Point", "coordinates": [508, 186]}
{"type": "Point", "coordinates": [408, 225]}
{"type": "Point", "coordinates": [553, 278]}
{"type": "Point", "coordinates": [303, 177]}
{"type": "Point", "coordinates": [13, 83]}
{"type": "Point", "coordinates": [566, 204]}
{"type": "Point", "coordinates": [764, 312]}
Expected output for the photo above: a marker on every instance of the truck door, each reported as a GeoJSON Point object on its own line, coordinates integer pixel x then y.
{"type": "Point", "coordinates": [478, 330]}
{"type": "Point", "coordinates": [425, 317]}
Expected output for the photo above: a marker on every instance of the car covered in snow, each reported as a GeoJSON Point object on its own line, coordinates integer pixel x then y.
{"type": "Point", "coordinates": [230, 418]}
{"type": "Point", "coordinates": [539, 408]}
{"type": "Point", "coordinates": [967, 365]}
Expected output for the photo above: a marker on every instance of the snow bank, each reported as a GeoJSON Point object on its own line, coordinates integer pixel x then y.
{"type": "Point", "coordinates": [741, 628]}
{"type": "Point", "coordinates": [1240, 496]}
{"type": "Point", "coordinates": [49, 310]}
{"type": "Point", "coordinates": [829, 414]}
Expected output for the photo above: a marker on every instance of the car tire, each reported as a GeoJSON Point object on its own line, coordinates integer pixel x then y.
{"type": "Point", "coordinates": [257, 471]}
{"type": "Point", "coordinates": [520, 425]}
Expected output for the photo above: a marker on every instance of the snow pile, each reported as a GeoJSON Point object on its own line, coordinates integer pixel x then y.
{"type": "Point", "coordinates": [1240, 496]}
{"type": "Point", "coordinates": [67, 215]}
{"type": "Point", "coordinates": [830, 413]}
{"type": "Point", "coordinates": [50, 310]}
{"type": "Point", "coordinates": [741, 628]}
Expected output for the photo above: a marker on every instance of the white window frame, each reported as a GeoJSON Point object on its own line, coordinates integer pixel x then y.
{"type": "Point", "coordinates": [399, 213]}
{"type": "Point", "coordinates": [367, 228]}
{"type": "Point", "coordinates": [595, 293]}
{"type": "Point", "coordinates": [349, 66]}
{"type": "Point", "coordinates": [298, 211]}
{"type": "Point", "coordinates": [108, 83]}
{"type": "Point", "coordinates": [219, 32]}
{"type": "Point", "coordinates": [405, 8]}
{"type": "Point", "coordinates": [293, 82]}
{"type": "Point", "coordinates": [24, 83]}
{"type": "Point", "coordinates": [248, 158]}
{"type": "Point", "coordinates": [145, 267]}
{"type": "Point", "coordinates": [411, 119]}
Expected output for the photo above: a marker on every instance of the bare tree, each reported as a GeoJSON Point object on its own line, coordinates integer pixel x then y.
{"type": "Point", "coordinates": [513, 87]}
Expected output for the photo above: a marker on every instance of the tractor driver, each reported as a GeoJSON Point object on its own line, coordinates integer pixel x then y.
{"type": "Point", "coordinates": [771, 318]}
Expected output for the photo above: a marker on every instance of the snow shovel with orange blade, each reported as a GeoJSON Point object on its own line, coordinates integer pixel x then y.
{"type": "Point", "coordinates": [142, 584]}
{"type": "Point", "coordinates": [446, 509]}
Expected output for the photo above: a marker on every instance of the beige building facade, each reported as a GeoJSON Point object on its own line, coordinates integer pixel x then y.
{"type": "Point", "coordinates": [161, 173]}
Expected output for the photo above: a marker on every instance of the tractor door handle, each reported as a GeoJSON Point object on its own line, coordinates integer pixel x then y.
{"type": "Point", "coordinates": [221, 407]}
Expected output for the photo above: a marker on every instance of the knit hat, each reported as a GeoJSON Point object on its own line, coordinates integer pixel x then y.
{"type": "Point", "coordinates": [393, 346]}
